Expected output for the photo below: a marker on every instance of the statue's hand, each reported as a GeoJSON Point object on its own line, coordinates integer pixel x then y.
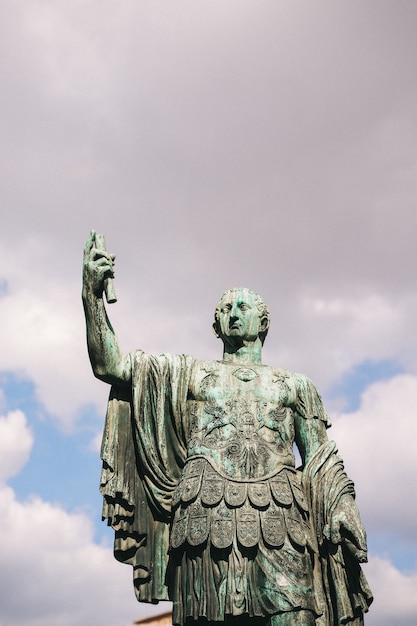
{"type": "Point", "coordinates": [97, 266]}
{"type": "Point", "coordinates": [345, 527]}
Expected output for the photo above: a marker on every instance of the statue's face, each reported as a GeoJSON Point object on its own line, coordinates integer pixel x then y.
{"type": "Point", "coordinates": [238, 318]}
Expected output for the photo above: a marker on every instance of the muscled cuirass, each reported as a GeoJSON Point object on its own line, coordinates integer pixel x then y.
{"type": "Point", "coordinates": [240, 474]}
{"type": "Point", "coordinates": [240, 419]}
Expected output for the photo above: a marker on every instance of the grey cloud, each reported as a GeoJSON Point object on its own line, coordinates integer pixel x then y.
{"type": "Point", "coordinates": [215, 144]}
{"type": "Point", "coordinates": [271, 146]}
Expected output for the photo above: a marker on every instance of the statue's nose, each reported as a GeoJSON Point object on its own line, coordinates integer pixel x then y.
{"type": "Point", "coordinates": [235, 312]}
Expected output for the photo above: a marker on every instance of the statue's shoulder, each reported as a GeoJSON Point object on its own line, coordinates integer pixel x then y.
{"type": "Point", "coordinates": [309, 403]}
{"type": "Point", "coordinates": [162, 363]}
{"type": "Point", "coordinates": [293, 379]}
{"type": "Point", "coordinates": [282, 372]}
{"type": "Point", "coordinates": [207, 366]}
{"type": "Point", "coordinates": [299, 380]}
{"type": "Point", "coordinates": [300, 384]}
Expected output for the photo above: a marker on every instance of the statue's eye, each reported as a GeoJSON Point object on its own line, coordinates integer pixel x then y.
{"type": "Point", "coordinates": [244, 307]}
{"type": "Point", "coordinates": [226, 309]}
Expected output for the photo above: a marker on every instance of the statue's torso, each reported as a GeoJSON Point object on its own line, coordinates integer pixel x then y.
{"type": "Point", "coordinates": [240, 419]}
{"type": "Point", "coordinates": [240, 469]}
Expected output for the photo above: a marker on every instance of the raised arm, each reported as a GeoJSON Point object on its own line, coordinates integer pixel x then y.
{"type": "Point", "coordinates": [107, 360]}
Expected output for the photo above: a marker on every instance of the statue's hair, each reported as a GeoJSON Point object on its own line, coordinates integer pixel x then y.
{"type": "Point", "coordinates": [260, 305]}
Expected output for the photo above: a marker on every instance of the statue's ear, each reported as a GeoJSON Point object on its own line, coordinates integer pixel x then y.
{"type": "Point", "coordinates": [215, 330]}
{"type": "Point", "coordinates": [263, 323]}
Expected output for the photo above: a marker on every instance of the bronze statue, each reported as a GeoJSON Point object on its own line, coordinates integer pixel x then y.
{"type": "Point", "coordinates": [199, 478]}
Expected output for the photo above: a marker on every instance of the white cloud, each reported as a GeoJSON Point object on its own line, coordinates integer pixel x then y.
{"type": "Point", "coordinates": [395, 598]}
{"type": "Point", "coordinates": [95, 443]}
{"type": "Point", "coordinates": [52, 571]}
{"type": "Point", "coordinates": [53, 574]}
{"type": "Point", "coordinates": [337, 332]}
{"type": "Point", "coordinates": [43, 338]}
{"type": "Point", "coordinates": [16, 442]}
{"type": "Point", "coordinates": [377, 443]}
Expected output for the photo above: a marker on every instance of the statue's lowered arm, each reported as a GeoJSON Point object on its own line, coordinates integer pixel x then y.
{"type": "Point", "coordinates": [341, 537]}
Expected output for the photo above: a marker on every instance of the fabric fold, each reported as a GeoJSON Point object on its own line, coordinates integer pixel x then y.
{"type": "Point", "coordinates": [143, 453]}
{"type": "Point", "coordinates": [345, 593]}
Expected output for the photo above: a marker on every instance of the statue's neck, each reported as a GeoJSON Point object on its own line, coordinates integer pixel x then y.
{"type": "Point", "coordinates": [250, 353]}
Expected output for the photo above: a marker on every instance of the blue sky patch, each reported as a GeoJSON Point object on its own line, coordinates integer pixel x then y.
{"type": "Point", "coordinates": [360, 377]}
{"type": "Point", "coordinates": [62, 468]}
{"type": "Point", "coordinates": [402, 553]}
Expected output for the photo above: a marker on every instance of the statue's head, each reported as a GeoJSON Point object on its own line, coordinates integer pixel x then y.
{"type": "Point", "coordinates": [241, 314]}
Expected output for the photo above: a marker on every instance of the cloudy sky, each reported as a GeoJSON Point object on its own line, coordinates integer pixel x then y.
{"type": "Point", "coordinates": [215, 143]}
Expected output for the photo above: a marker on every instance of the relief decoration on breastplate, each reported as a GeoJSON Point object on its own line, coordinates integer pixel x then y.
{"type": "Point", "coordinates": [245, 431]}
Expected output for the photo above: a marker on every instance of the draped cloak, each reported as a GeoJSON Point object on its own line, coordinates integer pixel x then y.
{"type": "Point", "coordinates": [345, 592]}
{"type": "Point", "coordinates": [144, 451]}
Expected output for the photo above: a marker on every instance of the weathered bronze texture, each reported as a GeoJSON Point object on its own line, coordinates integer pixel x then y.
{"type": "Point", "coordinates": [200, 482]}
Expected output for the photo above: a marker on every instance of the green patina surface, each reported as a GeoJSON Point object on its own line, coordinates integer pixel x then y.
{"type": "Point", "coordinates": [199, 478]}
